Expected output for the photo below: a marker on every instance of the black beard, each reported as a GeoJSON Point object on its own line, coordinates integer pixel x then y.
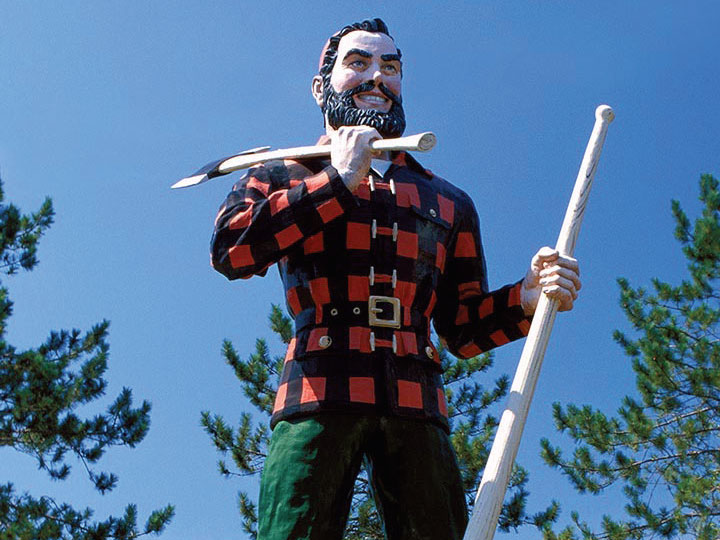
{"type": "Point", "coordinates": [340, 109]}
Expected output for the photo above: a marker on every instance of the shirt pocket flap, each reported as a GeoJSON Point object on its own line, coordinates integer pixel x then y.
{"type": "Point", "coordinates": [431, 215]}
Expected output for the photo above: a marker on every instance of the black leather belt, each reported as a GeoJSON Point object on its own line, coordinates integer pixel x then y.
{"type": "Point", "coordinates": [378, 311]}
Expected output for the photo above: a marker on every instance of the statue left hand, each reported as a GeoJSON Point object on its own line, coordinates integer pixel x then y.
{"type": "Point", "coordinates": [555, 275]}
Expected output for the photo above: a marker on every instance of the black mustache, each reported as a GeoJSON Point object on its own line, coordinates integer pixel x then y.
{"type": "Point", "coordinates": [369, 86]}
{"type": "Point", "coordinates": [340, 109]}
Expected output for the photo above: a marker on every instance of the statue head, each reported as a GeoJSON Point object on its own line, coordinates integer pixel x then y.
{"type": "Point", "coordinates": [360, 79]}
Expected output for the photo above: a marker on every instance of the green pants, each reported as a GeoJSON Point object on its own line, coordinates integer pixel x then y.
{"type": "Point", "coordinates": [309, 474]}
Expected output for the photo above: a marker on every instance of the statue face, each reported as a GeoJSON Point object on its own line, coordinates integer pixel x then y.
{"type": "Point", "coordinates": [365, 56]}
{"type": "Point", "coordinates": [365, 85]}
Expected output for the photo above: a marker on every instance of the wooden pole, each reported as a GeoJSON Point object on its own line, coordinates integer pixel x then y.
{"type": "Point", "coordinates": [491, 493]}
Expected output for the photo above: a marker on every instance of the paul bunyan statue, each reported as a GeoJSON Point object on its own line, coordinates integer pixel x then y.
{"type": "Point", "coordinates": [371, 247]}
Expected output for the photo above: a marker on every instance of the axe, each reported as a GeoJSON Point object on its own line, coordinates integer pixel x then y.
{"type": "Point", "coordinates": [421, 142]}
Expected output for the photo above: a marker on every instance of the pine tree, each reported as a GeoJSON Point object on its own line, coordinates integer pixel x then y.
{"type": "Point", "coordinates": [472, 433]}
{"type": "Point", "coordinates": [40, 390]}
{"type": "Point", "coordinates": [663, 446]}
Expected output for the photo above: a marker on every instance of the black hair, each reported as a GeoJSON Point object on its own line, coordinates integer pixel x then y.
{"type": "Point", "coordinates": [368, 25]}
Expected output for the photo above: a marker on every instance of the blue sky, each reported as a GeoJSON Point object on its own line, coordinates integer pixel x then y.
{"type": "Point", "coordinates": [106, 104]}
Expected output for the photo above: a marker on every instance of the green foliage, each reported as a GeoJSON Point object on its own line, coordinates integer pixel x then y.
{"type": "Point", "coordinates": [19, 235]}
{"type": "Point", "coordinates": [472, 434]}
{"type": "Point", "coordinates": [40, 392]}
{"type": "Point", "coordinates": [663, 446]}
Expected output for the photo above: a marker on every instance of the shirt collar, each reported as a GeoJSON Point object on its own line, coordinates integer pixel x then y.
{"type": "Point", "coordinates": [381, 166]}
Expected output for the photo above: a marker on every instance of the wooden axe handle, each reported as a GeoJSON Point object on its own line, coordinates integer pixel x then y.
{"type": "Point", "coordinates": [421, 142]}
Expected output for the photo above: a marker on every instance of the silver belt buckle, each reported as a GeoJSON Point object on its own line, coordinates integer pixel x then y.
{"type": "Point", "coordinates": [373, 311]}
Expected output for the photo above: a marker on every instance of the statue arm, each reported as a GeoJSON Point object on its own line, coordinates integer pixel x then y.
{"type": "Point", "coordinates": [469, 318]}
{"type": "Point", "coordinates": [272, 210]}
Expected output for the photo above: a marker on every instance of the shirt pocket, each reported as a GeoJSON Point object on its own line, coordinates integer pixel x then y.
{"type": "Point", "coordinates": [432, 237]}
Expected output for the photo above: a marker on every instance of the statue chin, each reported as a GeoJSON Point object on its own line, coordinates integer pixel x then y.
{"type": "Point", "coordinates": [340, 110]}
{"type": "Point", "coordinates": [389, 125]}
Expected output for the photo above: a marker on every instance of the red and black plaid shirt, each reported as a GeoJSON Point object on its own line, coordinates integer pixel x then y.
{"type": "Point", "coordinates": [364, 273]}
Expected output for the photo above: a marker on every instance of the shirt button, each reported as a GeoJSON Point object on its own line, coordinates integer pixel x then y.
{"type": "Point", "coordinates": [433, 213]}
{"type": "Point", "coordinates": [325, 342]}
{"type": "Point", "coordinates": [429, 352]}
{"type": "Point", "coordinates": [356, 310]}
{"type": "Point", "coordinates": [333, 311]}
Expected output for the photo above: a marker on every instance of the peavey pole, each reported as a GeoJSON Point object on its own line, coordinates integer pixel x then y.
{"type": "Point", "coordinates": [421, 142]}
{"type": "Point", "coordinates": [490, 495]}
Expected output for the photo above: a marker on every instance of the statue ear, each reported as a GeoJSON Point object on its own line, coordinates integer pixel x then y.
{"type": "Point", "coordinates": [316, 88]}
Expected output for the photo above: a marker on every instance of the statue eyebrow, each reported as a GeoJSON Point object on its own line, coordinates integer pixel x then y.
{"type": "Point", "coordinates": [359, 52]}
{"type": "Point", "coordinates": [390, 57]}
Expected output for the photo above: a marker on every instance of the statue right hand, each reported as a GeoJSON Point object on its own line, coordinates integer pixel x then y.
{"type": "Point", "coordinates": [350, 153]}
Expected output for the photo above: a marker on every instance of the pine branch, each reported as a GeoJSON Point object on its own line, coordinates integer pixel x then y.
{"type": "Point", "coordinates": [665, 448]}
{"type": "Point", "coordinates": [41, 389]}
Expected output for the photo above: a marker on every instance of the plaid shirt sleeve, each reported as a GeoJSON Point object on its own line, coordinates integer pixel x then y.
{"type": "Point", "coordinates": [271, 210]}
{"type": "Point", "coordinates": [468, 317]}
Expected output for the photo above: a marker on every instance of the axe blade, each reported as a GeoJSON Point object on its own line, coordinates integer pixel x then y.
{"type": "Point", "coordinates": [212, 170]}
